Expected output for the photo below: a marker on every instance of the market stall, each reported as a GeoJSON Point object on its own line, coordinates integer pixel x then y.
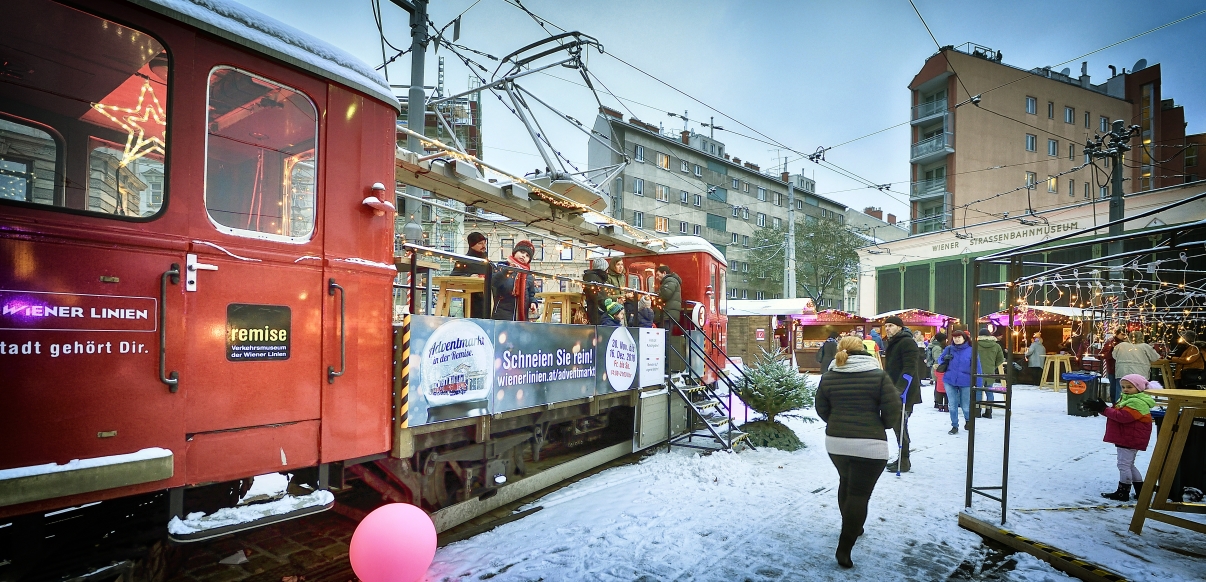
{"type": "Point", "coordinates": [920, 321]}
{"type": "Point", "coordinates": [1064, 330]}
{"type": "Point", "coordinates": [813, 329]}
{"type": "Point", "coordinates": [764, 324]}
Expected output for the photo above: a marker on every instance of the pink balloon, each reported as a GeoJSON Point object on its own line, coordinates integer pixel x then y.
{"type": "Point", "coordinates": [394, 543]}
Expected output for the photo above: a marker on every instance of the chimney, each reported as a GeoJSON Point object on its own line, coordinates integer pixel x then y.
{"type": "Point", "coordinates": [736, 160]}
{"type": "Point", "coordinates": [873, 211]}
{"type": "Point", "coordinates": [785, 177]}
{"type": "Point", "coordinates": [726, 156]}
{"type": "Point", "coordinates": [686, 135]}
{"type": "Point", "coordinates": [892, 219]}
{"type": "Point", "coordinates": [611, 112]}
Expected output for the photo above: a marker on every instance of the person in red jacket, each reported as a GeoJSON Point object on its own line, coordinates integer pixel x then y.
{"type": "Point", "coordinates": [1107, 362]}
{"type": "Point", "coordinates": [1129, 428]}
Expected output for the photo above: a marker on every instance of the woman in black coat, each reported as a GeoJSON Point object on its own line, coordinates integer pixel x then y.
{"type": "Point", "coordinates": [858, 402]}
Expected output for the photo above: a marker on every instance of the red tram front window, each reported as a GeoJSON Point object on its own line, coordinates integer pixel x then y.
{"type": "Point", "coordinates": [261, 162]}
{"type": "Point", "coordinates": [64, 72]}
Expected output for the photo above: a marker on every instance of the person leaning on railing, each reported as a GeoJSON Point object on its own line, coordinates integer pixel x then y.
{"type": "Point", "coordinates": [513, 287]}
{"type": "Point", "coordinates": [477, 249]}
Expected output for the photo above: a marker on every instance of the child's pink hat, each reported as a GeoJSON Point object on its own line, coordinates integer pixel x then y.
{"type": "Point", "coordinates": [1138, 381]}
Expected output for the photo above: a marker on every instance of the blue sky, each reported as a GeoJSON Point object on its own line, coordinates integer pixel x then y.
{"type": "Point", "coordinates": [805, 73]}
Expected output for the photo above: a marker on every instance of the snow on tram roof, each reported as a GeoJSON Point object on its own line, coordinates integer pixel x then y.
{"type": "Point", "coordinates": [254, 30]}
{"type": "Point", "coordinates": [691, 244]}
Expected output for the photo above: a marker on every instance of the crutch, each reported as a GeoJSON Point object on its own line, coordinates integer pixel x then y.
{"type": "Point", "coordinates": [900, 434]}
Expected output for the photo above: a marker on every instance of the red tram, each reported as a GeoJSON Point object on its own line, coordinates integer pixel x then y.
{"type": "Point", "coordinates": [191, 290]}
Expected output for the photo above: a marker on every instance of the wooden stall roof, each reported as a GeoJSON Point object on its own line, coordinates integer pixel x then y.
{"type": "Point", "coordinates": [830, 316]}
{"type": "Point", "coordinates": [916, 317]}
{"type": "Point", "coordinates": [798, 306]}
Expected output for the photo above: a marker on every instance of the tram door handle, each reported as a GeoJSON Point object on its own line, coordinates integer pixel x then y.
{"type": "Point", "coordinates": [343, 296]}
{"type": "Point", "coordinates": [191, 266]}
{"type": "Point", "coordinates": [172, 275]}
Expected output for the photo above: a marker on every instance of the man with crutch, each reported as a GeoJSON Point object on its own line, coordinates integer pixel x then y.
{"type": "Point", "coordinates": [902, 362]}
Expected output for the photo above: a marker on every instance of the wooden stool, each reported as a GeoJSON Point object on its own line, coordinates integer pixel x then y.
{"type": "Point", "coordinates": [1166, 375]}
{"type": "Point", "coordinates": [457, 287]}
{"type": "Point", "coordinates": [560, 307]}
{"type": "Point", "coordinates": [1054, 364]}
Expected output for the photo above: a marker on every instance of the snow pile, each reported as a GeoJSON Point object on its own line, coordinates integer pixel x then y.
{"type": "Point", "coordinates": [229, 18]}
{"type": "Point", "coordinates": [227, 516]}
{"type": "Point", "coordinates": [772, 515]}
{"type": "Point", "coordinates": [77, 464]}
{"type": "Point", "coordinates": [268, 486]}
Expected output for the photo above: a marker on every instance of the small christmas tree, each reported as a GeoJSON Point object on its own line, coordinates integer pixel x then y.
{"type": "Point", "coordinates": [775, 390]}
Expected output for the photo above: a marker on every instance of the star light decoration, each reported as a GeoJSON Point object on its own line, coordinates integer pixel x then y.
{"type": "Point", "coordinates": [132, 119]}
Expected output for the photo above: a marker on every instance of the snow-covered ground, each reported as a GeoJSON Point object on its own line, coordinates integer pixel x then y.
{"type": "Point", "coordinates": [772, 515]}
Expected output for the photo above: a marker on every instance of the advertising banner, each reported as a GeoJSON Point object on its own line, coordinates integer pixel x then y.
{"type": "Point", "coordinates": [540, 363]}
{"type": "Point", "coordinates": [652, 350]}
{"type": "Point", "coordinates": [618, 365]}
{"type": "Point", "coordinates": [451, 365]}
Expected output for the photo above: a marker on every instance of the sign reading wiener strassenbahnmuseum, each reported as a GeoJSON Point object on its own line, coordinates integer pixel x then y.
{"type": "Point", "coordinates": [257, 333]}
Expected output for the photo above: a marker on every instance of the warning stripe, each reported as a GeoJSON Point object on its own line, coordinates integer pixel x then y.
{"type": "Point", "coordinates": [1079, 508]}
{"type": "Point", "coordinates": [1065, 556]}
{"type": "Point", "coordinates": [404, 390]}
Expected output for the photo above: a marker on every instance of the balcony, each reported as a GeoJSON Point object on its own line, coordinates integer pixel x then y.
{"type": "Point", "coordinates": [927, 111]}
{"type": "Point", "coordinates": [926, 189]}
{"type": "Point", "coordinates": [932, 223]}
{"type": "Point", "coordinates": [932, 149]}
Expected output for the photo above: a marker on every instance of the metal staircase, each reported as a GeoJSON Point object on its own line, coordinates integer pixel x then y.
{"type": "Point", "coordinates": [710, 412]}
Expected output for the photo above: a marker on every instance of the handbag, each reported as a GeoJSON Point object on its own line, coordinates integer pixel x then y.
{"type": "Point", "coordinates": [944, 365]}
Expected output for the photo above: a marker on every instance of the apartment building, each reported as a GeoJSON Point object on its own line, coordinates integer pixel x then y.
{"type": "Point", "coordinates": [689, 184]}
{"type": "Point", "coordinates": [982, 128]}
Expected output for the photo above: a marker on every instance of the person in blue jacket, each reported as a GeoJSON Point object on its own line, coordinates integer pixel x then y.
{"type": "Point", "coordinates": [958, 377]}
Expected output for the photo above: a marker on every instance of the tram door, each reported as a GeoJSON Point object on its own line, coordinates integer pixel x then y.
{"type": "Point", "coordinates": [253, 287]}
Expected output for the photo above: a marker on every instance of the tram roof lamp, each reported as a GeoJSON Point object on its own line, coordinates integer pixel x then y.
{"type": "Point", "coordinates": [412, 231]}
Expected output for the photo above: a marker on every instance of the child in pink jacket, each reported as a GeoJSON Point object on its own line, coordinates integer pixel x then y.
{"type": "Point", "coordinates": [1129, 427]}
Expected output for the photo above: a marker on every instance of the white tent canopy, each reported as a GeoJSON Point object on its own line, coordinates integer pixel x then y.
{"type": "Point", "coordinates": [798, 306]}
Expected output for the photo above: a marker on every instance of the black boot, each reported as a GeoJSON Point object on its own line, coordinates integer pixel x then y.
{"type": "Point", "coordinates": [987, 413]}
{"type": "Point", "coordinates": [903, 464]}
{"type": "Point", "coordinates": [954, 430]}
{"type": "Point", "coordinates": [1122, 494]}
{"type": "Point", "coordinates": [1138, 488]}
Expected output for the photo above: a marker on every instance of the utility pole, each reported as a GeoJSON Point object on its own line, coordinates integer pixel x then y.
{"type": "Point", "coordinates": [1115, 150]}
{"type": "Point", "coordinates": [416, 100]}
{"type": "Point", "coordinates": [789, 281]}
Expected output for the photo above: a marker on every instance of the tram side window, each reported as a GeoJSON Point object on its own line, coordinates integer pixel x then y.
{"type": "Point", "coordinates": [83, 112]}
{"type": "Point", "coordinates": [261, 164]}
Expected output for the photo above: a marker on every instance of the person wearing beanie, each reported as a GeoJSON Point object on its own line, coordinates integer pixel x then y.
{"type": "Point", "coordinates": [1128, 428]}
{"type": "Point", "coordinates": [933, 354]}
{"type": "Point", "coordinates": [958, 377]}
{"type": "Point", "coordinates": [613, 313]}
{"type": "Point", "coordinates": [902, 358]}
{"type": "Point", "coordinates": [591, 289]}
{"type": "Point", "coordinates": [513, 287]}
{"type": "Point", "coordinates": [644, 313]}
{"type": "Point", "coordinates": [1189, 362]}
{"type": "Point", "coordinates": [477, 249]}
{"type": "Point", "coordinates": [991, 357]}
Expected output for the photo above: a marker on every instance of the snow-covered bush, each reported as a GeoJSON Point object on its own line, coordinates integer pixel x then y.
{"type": "Point", "coordinates": [775, 389]}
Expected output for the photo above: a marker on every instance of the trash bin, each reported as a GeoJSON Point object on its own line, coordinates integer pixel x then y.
{"type": "Point", "coordinates": [1191, 472]}
{"type": "Point", "coordinates": [1081, 387]}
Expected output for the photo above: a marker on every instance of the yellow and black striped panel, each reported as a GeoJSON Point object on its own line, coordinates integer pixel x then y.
{"type": "Point", "coordinates": [404, 384]}
{"type": "Point", "coordinates": [1066, 557]}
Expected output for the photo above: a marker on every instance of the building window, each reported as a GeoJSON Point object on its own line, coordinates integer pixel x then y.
{"type": "Point", "coordinates": [1052, 185]}
{"type": "Point", "coordinates": [696, 229]}
{"type": "Point", "coordinates": [682, 227]}
{"type": "Point", "coordinates": [684, 197]}
{"type": "Point", "coordinates": [745, 186]}
{"type": "Point", "coordinates": [1031, 105]}
{"type": "Point", "coordinates": [538, 246]}
{"type": "Point", "coordinates": [1069, 115]}
{"type": "Point", "coordinates": [761, 219]}
{"type": "Point", "coordinates": [745, 240]}
{"type": "Point", "coordinates": [712, 147]}
{"type": "Point", "coordinates": [761, 295]}
{"type": "Point", "coordinates": [1031, 142]}
{"type": "Point", "coordinates": [1052, 148]}
{"type": "Point", "coordinates": [1086, 190]}
{"type": "Point", "coordinates": [1071, 151]}
{"type": "Point", "coordinates": [698, 200]}
{"type": "Point", "coordinates": [1104, 192]}
{"type": "Point", "coordinates": [1031, 179]}
{"type": "Point", "coordinates": [638, 186]}
{"type": "Point", "coordinates": [504, 247]}
{"type": "Point", "coordinates": [743, 293]}
{"type": "Point", "coordinates": [736, 211]}
{"type": "Point", "coordinates": [762, 194]}
{"type": "Point", "coordinates": [1103, 124]}
{"type": "Point", "coordinates": [638, 219]}
{"type": "Point", "coordinates": [736, 183]}
{"type": "Point", "coordinates": [663, 161]}
{"type": "Point", "coordinates": [662, 193]}
{"type": "Point", "coordinates": [778, 222]}
{"type": "Point", "coordinates": [799, 205]}
{"type": "Point", "coordinates": [745, 213]}
{"type": "Point", "coordinates": [778, 199]}
{"type": "Point", "coordinates": [745, 267]}
{"type": "Point", "coordinates": [661, 224]}
{"type": "Point", "coordinates": [698, 170]}
{"type": "Point", "coordinates": [1087, 126]}
{"type": "Point", "coordinates": [1191, 156]}
{"type": "Point", "coordinates": [640, 153]}
{"type": "Point", "coordinates": [567, 250]}
{"type": "Point", "coordinates": [684, 166]}
{"type": "Point", "coordinates": [736, 239]}
{"type": "Point", "coordinates": [1072, 188]}
{"type": "Point", "coordinates": [1050, 110]}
